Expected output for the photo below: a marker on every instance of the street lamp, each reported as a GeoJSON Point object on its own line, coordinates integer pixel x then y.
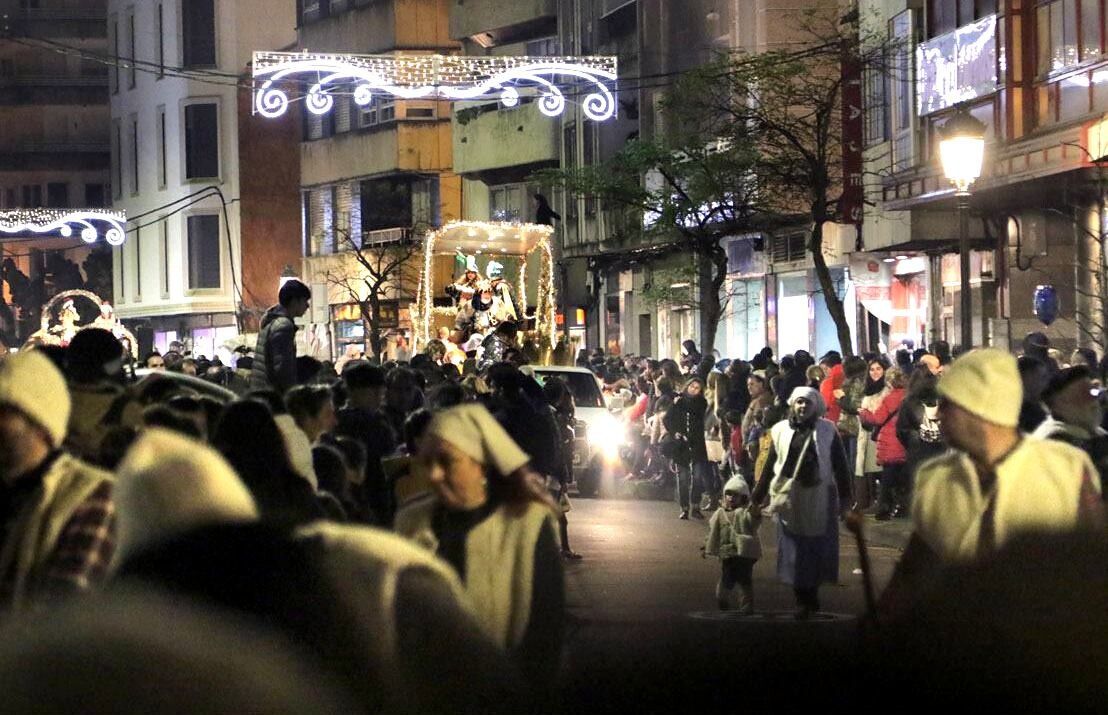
{"type": "Point", "coordinates": [962, 150]}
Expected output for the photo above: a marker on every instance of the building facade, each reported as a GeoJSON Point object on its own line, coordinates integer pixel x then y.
{"type": "Point", "coordinates": [1033, 73]}
{"type": "Point", "coordinates": [53, 148]}
{"type": "Point", "coordinates": [210, 190]}
{"type": "Point", "coordinates": [371, 175]}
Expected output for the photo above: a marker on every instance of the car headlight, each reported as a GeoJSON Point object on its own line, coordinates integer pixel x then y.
{"type": "Point", "coordinates": [607, 433]}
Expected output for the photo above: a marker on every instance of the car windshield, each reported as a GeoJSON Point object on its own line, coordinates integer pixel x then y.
{"type": "Point", "coordinates": [582, 385]}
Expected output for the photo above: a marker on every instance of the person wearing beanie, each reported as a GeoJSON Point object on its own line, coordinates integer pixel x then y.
{"type": "Point", "coordinates": [362, 418]}
{"type": "Point", "coordinates": [100, 403]}
{"type": "Point", "coordinates": [807, 480]}
{"type": "Point", "coordinates": [275, 352]}
{"type": "Point", "coordinates": [995, 483]}
{"type": "Point", "coordinates": [57, 517]}
{"type": "Point", "coordinates": [1076, 413]}
{"type": "Point", "coordinates": [733, 538]}
{"type": "Point", "coordinates": [491, 518]}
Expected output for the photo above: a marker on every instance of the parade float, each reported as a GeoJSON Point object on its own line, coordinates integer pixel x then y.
{"type": "Point", "coordinates": [501, 272]}
{"type": "Point", "coordinates": [62, 320]}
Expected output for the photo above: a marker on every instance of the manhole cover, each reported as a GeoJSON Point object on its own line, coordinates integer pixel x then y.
{"type": "Point", "coordinates": [770, 617]}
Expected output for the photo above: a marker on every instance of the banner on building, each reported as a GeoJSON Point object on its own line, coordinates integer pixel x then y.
{"type": "Point", "coordinates": [956, 67]}
{"type": "Point", "coordinates": [853, 119]}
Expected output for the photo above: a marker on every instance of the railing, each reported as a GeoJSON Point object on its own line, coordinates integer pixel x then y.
{"type": "Point", "coordinates": [386, 235]}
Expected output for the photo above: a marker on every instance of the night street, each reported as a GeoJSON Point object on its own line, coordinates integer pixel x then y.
{"type": "Point", "coordinates": [643, 621]}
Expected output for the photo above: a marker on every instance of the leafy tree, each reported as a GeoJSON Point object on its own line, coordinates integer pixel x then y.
{"type": "Point", "coordinates": [750, 142]}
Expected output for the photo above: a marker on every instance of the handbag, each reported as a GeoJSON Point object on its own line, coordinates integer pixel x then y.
{"type": "Point", "coordinates": [715, 450]}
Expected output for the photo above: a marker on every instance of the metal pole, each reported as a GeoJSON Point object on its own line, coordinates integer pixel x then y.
{"type": "Point", "coordinates": [964, 270]}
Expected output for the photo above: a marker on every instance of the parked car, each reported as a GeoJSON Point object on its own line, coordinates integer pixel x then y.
{"type": "Point", "coordinates": [599, 433]}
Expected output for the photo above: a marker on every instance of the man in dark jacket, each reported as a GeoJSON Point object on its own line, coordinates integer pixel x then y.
{"type": "Point", "coordinates": [362, 419]}
{"type": "Point", "coordinates": [275, 355]}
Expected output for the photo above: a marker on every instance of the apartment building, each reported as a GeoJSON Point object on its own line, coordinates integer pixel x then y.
{"type": "Point", "coordinates": [54, 144]}
{"type": "Point", "coordinates": [211, 190]}
{"type": "Point", "coordinates": [372, 174]}
{"type": "Point", "coordinates": [1033, 73]}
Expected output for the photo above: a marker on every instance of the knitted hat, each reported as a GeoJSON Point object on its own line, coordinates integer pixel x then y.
{"type": "Point", "coordinates": [985, 383]}
{"type": "Point", "coordinates": [472, 429]}
{"type": "Point", "coordinates": [812, 395]}
{"type": "Point", "coordinates": [736, 485]}
{"type": "Point", "coordinates": [168, 484]}
{"type": "Point", "coordinates": [31, 383]}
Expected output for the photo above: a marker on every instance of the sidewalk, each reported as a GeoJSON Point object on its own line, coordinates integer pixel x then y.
{"type": "Point", "coordinates": [891, 534]}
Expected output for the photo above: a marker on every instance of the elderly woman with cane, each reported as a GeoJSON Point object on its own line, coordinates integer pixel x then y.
{"type": "Point", "coordinates": [807, 480]}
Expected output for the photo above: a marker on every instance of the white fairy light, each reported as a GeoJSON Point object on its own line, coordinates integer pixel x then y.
{"type": "Point", "coordinates": [448, 77]}
{"type": "Point", "coordinates": [89, 224]}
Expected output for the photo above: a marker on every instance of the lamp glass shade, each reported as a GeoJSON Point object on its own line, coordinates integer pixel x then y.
{"type": "Point", "coordinates": [962, 157]}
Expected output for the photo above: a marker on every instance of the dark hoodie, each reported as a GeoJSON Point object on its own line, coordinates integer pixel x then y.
{"type": "Point", "coordinates": [275, 353]}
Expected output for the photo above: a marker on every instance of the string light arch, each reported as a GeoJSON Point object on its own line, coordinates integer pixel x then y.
{"type": "Point", "coordinates": [90, 225]}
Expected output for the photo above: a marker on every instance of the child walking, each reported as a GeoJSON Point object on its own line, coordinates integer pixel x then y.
{"type": "Point", "coordinates": [733, 538]}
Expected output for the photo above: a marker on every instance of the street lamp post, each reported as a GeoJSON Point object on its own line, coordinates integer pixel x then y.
{"type": "Point", "coordinates": [962, 150]}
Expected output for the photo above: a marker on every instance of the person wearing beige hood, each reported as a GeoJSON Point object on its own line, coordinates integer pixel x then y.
{"type": "Point", "coordinates": [493, 522]}
{"type": "Point", "coordinates": [56, 512]}
{"type": "Point", "coordinates": [387, 619]}
{"type": "Point", "coordinates": [996, 483]}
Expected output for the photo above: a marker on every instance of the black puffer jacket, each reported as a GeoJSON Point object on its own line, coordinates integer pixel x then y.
{"type": "Point", "coordinates": [687, 417]}
{"type": "Point", "coordinates": [275, 354]}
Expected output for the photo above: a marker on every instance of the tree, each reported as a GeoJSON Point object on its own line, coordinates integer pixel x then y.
{"type": "Point", "coordinates": [751, 142]}
{"type": "Point", "coordinates": [683, 193]}
{"type": "Point", "coordinates": [373, 273]}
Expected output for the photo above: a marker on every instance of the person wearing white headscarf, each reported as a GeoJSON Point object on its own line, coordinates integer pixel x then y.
{"type": "Point", "coordinates": [492, 520]}
{"type": "Point", "coordinates": [807, 479]}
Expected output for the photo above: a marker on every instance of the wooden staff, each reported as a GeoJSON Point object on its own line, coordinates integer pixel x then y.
{"type": "Point", "coordinates": [855, 524]}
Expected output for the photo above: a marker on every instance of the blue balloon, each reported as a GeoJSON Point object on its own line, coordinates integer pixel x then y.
{"type": "Point", "coordinates": [1045, 304]}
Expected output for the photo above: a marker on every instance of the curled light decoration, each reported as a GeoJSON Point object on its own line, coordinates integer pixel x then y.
{"type": "Point", "coordinates": [448, 77]}
{"type": "Point", "coordinates": [89, 224]}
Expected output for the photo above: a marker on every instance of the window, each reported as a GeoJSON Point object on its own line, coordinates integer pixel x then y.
{"type": "Point", "coordinates": [163, 256]}
{"type": "Point", "coordinates": [569, 144]}
{"type": "Point", "coordinates": [376, 112]}
{"type": "Point", "coordinates": [201, 141]}
{"type": "Point", "coordinates": [134, 131]}
{"type": "Point", "coordinates": [161, 146]}
{"type": "Point", "coordinates": [198, 33]}
{"type": "Point", "coordinates": [117, 159]}
{"type": "Point", "coordinates": [159, 39]}
{"type": "Point", "coordinates": [1057, 24]}
{"type": "Point", "coordinates": [876, 97]}
{"type": "Point", "coordinates": [32, 196]}
{"type": "Point", "coordinates": [203, 248]}
{"type": "Point", "coordinates": [901, 120]}
{"type": "Point", "coordinates": [113, 42]}
{"type": "Point", "coordinates": [137, 243]}
{"type": "Point", "coordinates": [131, 54]}
{"type": "Point", "coordinates": [57, 195]}
{"type": "Point", "coordinates": [95, 196]}
{"type": "Point", "coordinates": [546, 47]}
{"type": "Point", "coordinates": [312, 10]}
{"type": "Point", "coordinates": [386, 203]}
{"type": "Point", "coordinates": [946, 15]}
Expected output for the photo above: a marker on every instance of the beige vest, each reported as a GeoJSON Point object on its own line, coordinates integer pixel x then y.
{"type": "Point", "coordinates": [66, 486]}
{"type": "Point", "coordinates": [1038, 488]}
{"type": "Point", "coordinates": [500, 560]}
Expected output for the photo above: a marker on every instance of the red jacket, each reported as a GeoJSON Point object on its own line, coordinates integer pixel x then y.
{"type": "Point", "coordinates": [834, 381]}
{"type": "Point", "coordinates": [889, 448]}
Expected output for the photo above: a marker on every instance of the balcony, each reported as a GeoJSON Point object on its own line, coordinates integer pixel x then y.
{"type": "Point", "coordinates": [505, 137]}
{"type": "Point", "coordinates": [495, 21]}
{"type": "Point", "coordinates": [60, 22]}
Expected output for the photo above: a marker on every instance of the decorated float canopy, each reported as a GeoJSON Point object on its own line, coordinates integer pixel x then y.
{"type": "Point", "coordinates": [448, 77]}
{"type": "Point", "coordinates": [90, 225]}
{"type": "Point", "coordinates": [494, 240]}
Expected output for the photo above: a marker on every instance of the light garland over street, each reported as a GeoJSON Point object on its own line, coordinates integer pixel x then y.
{"type": "Point", "coordinates": [446, 77]}
{"type": "Point", "coordinates": [89, 224]}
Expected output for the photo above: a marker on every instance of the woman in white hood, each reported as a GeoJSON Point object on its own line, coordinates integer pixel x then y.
{"type": "Point", "coordinates": [808, 482]}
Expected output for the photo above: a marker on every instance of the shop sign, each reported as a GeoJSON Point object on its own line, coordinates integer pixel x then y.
{"type": "Point", "coordinates": [956, 67]}
{"type": "Point", "coordinates": [390, 313]}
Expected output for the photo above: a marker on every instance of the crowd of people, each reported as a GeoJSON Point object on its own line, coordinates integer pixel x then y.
{"type": "Point", "coordinates": [809, 441]}
{"type": "Point", "coordinates": [404, 524]}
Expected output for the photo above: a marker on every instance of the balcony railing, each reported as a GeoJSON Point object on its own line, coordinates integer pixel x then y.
{"type": "Point", "coordinates": [23, 147]}
{"type": "Point", "coordinates": [62, 13]}
{"type": "Point", "coordinates": [56, 80]}
{"type": "Point", "coordinates": [386, 235]}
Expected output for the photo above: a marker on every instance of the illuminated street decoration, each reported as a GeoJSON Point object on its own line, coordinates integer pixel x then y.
{"type": "Point", "coordinates": [89, 224]}
{"type": "Point", "coordinates": [959, 66]}
{"type": "Point", "coordinates": [447, 77]}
